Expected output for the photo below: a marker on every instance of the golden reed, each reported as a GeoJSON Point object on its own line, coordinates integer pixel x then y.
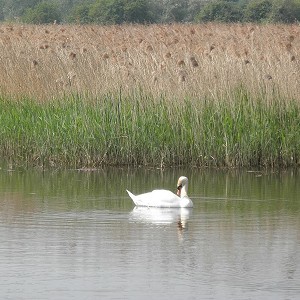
{"type": "Point", "coordinates": [177, 60]}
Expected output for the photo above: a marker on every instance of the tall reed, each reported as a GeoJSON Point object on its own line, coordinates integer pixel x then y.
{"type": "Point", "coordinates": [143, 130]}
{"type": "Point", "coordinates": [186, 60]}
{"type": "Point", "coordinates": [159, 95]}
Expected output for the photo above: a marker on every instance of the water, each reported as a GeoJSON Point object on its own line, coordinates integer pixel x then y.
{"type": "Point", "coordinates": [76, 235]}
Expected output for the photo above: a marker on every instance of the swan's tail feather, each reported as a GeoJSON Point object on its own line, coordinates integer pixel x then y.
{"type": "Point", "coordinates": [133, 197]}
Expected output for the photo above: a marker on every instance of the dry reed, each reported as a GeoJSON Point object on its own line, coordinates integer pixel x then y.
{"type": "Point", "coordinates": [207, 60]}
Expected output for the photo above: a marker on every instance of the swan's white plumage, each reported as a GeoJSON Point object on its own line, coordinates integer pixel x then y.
{"type": "Point", "coordinates": [164, 198]}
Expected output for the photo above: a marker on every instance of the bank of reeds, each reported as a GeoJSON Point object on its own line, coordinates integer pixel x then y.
{"type": "Point", "coordinates": [143, 130]}
{"type": "Point", "coordinates": [158, 95]}
{"type": "Point", "coordinates": [185, 60]}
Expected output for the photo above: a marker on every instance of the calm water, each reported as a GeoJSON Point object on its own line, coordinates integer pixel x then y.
{"type": "Point", "coordinates": [76, 235]}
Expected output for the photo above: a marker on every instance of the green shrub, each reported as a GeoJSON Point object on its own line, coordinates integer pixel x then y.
{"type": "Point", "coordinates": [120, 11]}
{"type": "Point", "coordinates": [258, 10]}
{"type": "Point", "coordinates": [80, 14]}
{"type": "Point", "coordinates": [285, 11]}
{"type": "Point", "coordinates": [136, 11]}
{"type": "Point", "coordinates": [220, 11]}
{"type": "Point", "coordinates": [107, 12]}
{"type": "Point", "coordinates": [42, 13]}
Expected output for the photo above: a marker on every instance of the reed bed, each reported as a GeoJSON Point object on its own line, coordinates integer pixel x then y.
{"type": "Point", "coordinates": [160, 95]}
{"type": "Point", "coordinates": [207, 60]}
{"type": "Point", "coordinates": [147, 131]}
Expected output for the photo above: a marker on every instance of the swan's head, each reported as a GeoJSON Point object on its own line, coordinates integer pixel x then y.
{"type": "Point", "coordinates": [182, 184]}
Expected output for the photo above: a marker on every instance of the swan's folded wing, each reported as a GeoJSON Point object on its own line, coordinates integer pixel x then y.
{"type": "Point", "coordinates": [156, 198]}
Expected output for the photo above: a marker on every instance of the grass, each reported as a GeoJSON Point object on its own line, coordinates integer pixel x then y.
{"type": "Point", "coordinates": [143, 130]}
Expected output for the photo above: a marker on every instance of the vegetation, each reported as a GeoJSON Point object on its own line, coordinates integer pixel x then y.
{"type": "Point", "coordinates": [162, 95]}
{"type": "Point", "coordinates": [141, 130]}
{"type": "Point", "coordinates": [220, 11]}
{"type": "Point", "coordinates": [118, 11]}
{"type": "Point", "coordinates": [258, 11]}
{"type": "Point", "coordinates": [150, 11]}
{"type": "Point", "coordinates": [176, 61]}
{"type": "Point", "coordinates": [42, 13]}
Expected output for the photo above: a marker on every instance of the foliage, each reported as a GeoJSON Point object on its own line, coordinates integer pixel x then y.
{"type": "Point", "coordinates": [174, 10]}
{"type": "Point", "coordinates": [258, 10]}
{"type": "Point", "coordinates": [13, 9]}
{"type": "Point", "coordinates": [1, 10]}
{"type": "Point", "coordinates": [107, 12]}
{"type": "Point", "coordinates": [80, 14]}
{"type": "Point", "coordinates": [136, 11]}
{"type": "Point", "coordinates": [119, 11]}
{"type": "Point", "coordinates": [273, 11]}
{"type": "Point", "coordinates": [42, 13]}
{"type": "Point", "coordinates": [220, 11]}
{"type": "Point", "coordinates": [141, 11]}
{"type": "Point", "coordinates": [285, 11]}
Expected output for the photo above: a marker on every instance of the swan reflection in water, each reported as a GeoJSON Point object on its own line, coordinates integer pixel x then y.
{"type": "Point", "coordinates": [162, 216]}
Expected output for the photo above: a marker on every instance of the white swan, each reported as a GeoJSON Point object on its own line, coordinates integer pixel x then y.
{"type": "Point", "coordinates": [164, 198]}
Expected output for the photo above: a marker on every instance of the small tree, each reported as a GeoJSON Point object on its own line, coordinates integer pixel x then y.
{"type": "Point", "coordinates": [285, 11]}
{"type": "Point", "coordinates": [16, 8]}
{"type": "Point", "coordinates": [137, 11]}
{"type": "Point", "coordinates": [258, 11]}
{"type": "Point", "coordinates": [1, 10]}
{"type": "Point", "coordinates": [42, 13]}
{"type": "Point", "coordinates": [174, 10]}
{"type": "Point", "coordinates": [220, 11]}
{"type": "Point", "coordinates": [80, 14]}
{"type": "Point", "coordinates": [107, 12]}
{"type": "Point", "coordinates": [119, 11]}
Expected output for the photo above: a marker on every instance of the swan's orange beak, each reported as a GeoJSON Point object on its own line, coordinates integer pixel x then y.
{"type": "Point", "coordinates": [179, 190]}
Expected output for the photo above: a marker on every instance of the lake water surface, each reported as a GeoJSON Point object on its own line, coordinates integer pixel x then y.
{"type": "Point", "coordinates": [76, 235]}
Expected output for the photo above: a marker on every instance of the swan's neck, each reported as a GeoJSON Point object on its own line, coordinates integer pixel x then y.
{"type": "Point", "coordinates": [183, 191]}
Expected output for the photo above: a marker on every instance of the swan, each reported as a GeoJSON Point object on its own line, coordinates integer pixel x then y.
{"type": "Point", "coordinates": [165, 198]}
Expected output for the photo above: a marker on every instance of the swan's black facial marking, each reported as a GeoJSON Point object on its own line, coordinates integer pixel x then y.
{"type": "Point", "coordinates": [179, 187]}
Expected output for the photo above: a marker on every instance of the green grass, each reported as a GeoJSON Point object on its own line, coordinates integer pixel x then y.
{"type": "Point", "coordinates": [79, 131]}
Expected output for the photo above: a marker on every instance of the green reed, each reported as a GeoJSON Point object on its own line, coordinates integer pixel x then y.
{"type": "Point", "coordinates": [80, 131]}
